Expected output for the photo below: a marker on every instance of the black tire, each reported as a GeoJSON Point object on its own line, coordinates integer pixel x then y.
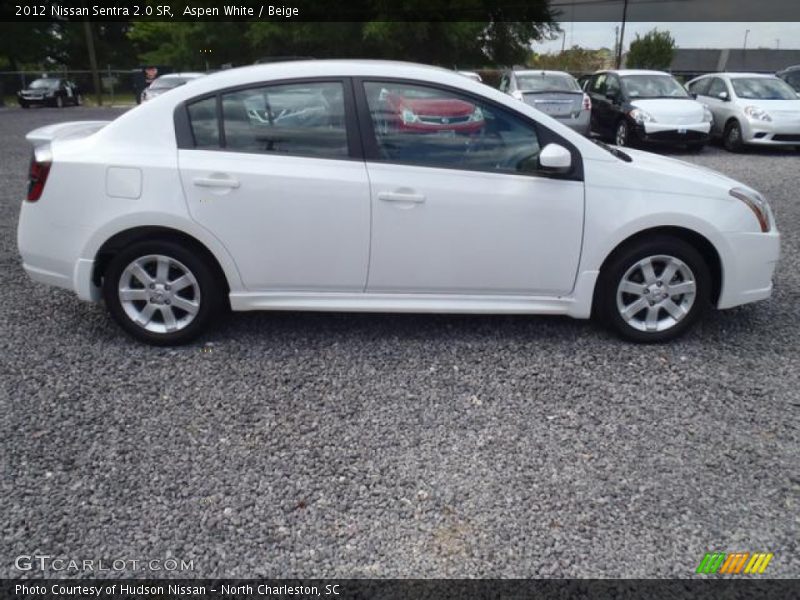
{"type": "Point", "coordinates": [732, 138]}
{"type": "Point", "coordinates": [211, 298]}
{"type": "Point", "coordinates": [696, 146]}
{"type": "Point", "coordinates": [78, 100]}
{"type": "Point", "coordinates": [24, 105]}
{"type": "Point", "coordinates": [625, 260]}
{"type": "Point", "coordinates": [58, 102]}
{"type": "Point", "coordinates": [622, 134]}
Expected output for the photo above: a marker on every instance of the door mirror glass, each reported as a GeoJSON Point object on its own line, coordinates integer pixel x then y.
{"type": "Point", "coordinates": [555, 158]}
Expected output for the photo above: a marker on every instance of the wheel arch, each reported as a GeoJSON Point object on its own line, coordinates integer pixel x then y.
{"type": "Point", "coordinates": [132, 235]}
{"type": "Point", "coordinates": [700, 242]}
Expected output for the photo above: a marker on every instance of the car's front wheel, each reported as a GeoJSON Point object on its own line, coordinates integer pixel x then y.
{"type": "Point", "coordinates": [622, 134]}
{"type": "Point", "coordinates": [161, 292]}
{"type": "Point", "coordinates": [732, 138]}
{"type": "Point", "coordinates": [654, 290]}
{"type": "Point", "coordinates": [59, 102]}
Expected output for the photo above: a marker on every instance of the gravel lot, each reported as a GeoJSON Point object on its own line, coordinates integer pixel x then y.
{"type": "Point", "coordinates": [397, 446]}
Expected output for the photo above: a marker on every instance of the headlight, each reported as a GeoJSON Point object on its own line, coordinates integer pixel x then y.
{"type": "Point", "coordinates": [756, 203]}
{"type": "Point", "coordinates": [759, 114]}
{"type": "Point", "coordinates": [408, 116]}
{"type": "Point", "coordinates": [641, 116]}
{"type": "Point", "coordinates": [477, 115]}
{"type": "Point", "coordinates": [708, 116]}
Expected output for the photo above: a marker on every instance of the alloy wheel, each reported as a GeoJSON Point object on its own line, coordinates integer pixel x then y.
{"type": "Point", "coordinates": [159, 294]}
{"type": "Point", "coordinates": [621, 137]}
{"type": "Point", "coordinates": [656, 293]}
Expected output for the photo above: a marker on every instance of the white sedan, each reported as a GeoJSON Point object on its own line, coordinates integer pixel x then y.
{"type": "Point", "coordinates": [378, 186]}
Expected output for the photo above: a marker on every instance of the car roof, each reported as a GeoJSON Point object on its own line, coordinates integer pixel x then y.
{"type": "Point", "coordinates": [184, 75]}
{"type": "Point", "coordinates": [539, 72]}
{"type": "Point", "coordinates": [623, 72]}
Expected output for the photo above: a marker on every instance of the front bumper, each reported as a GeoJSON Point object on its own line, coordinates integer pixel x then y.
{"type": "Point", "coordinates": [35, 100]}
{"type": "Point", "coordinates": [748, 268]}
{"type": "Point", "coordinates": [771, 133]}
{"type": "Point", "coordinates": [666, 133]}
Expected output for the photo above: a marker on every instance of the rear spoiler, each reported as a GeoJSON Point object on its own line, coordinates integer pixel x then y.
{"type": "Point", "coordinates": [72, 129]}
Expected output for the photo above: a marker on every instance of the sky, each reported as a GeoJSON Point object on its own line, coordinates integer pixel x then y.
{"type": "Point", "coordinates": [687, 35]}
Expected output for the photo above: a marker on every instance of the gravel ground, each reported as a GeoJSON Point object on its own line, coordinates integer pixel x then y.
{"type": "Point", "coordinates": [398, 446]}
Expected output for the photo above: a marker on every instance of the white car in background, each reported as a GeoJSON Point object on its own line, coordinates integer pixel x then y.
{"type": "Point", "coordinates": [193, 203]}
{"type": "Point", "coordinates": [471, 75]}
{"type": "Point", "coordinates": [750, 108]}
{"type": "Point", "coordinates": [168, 82]}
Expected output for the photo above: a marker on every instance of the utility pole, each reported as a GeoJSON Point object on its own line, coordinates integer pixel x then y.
{"type": "Point", "coordinates": [87, 30]}
{"type": "Point", "coordinates": [746, 33]}
{"type": "Point", "coordinates": [622, 34]}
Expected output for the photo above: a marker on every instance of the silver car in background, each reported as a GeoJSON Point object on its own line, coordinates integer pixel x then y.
{"type": "Point", "coordinates": [749, 108]}
{"type": "Point", "coordinates": [168, 82]}
{"type": "Point", "coordinates": [555, 93]}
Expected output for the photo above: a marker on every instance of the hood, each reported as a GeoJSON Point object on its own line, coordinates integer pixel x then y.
{"type": "Point", "coordinates": [686, 178]}
{"type": "Point", "coordinates": [785, 109]}
{"type": "Point", "coordinates": [672, 110]}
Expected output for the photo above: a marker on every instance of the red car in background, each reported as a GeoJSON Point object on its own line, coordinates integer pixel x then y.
{"type": "Point", "coordinates": [423, 111]}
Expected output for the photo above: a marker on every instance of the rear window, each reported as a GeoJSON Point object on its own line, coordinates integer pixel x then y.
{"type": "Point", "coordinates": [547, 82]}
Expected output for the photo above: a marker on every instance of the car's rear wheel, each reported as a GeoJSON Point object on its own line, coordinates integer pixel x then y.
{"type": "Point", "coordinates": [59, 102]}
{"type": "Point", "coordinates": [161, 292]}
{"type": "Point", "coordinates": [732, 138]}
{"type": "Point", "coordinates": [78, 100]}
{"type": "Point", "coordinates": [654, 290]}
{"type": "Point", "coordinates": [622, 134]}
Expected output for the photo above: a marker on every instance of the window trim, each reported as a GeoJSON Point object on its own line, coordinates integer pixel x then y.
{"type": "Point", "coordinates": [369, 141]}
{"type": "Point", "coordinates": [184, 135]}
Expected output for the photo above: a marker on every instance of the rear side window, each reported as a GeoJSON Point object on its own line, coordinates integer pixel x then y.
{"type": "Point", "coordinates": [203, 119]}
{"type": "Point", "coordinates": [305, 119]}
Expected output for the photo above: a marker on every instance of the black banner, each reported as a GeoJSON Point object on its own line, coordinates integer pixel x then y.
{"type": "Point", "coordinates": [402, 589]}
{"type": "Point", "coordinates": [398, 10]}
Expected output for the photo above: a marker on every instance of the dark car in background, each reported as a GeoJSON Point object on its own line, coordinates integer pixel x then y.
{"type": "Point", "coordinates": [50, 91]}
{"type": "Point", "coordinates": [630, 106]}
{"type": "Point", "coordinates": [791, 75]}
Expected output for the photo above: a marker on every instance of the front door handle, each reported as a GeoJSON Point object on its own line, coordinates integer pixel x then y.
{"type": "Point", "coordinates": [216, 182]}
{"type": "Point", "coordinates": [408, 197]}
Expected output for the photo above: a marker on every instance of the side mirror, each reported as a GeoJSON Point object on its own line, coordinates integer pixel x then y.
{"type": "Point", "coordinates": [723, 96]}
{"type": "Point", "coordinates": [555, 158]}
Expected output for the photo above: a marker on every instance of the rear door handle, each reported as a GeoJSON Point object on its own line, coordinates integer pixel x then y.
{"type": "Point", "coordinates": [216, 182]}
{"type": "Point", "coordinates": [408, 197]}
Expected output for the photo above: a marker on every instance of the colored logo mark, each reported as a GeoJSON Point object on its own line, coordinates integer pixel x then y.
{"type": "Point", "coordinates": [734, 564]}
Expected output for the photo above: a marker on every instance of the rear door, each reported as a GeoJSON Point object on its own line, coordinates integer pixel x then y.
{"type": "Point", "coordinates": [274, 171]}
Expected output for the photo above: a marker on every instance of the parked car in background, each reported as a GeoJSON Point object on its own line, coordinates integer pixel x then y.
{"type": "Point", "coordinates": [750, 108]}
{"type": "Point", "coordinates": [50, 91]}
{"type": "Point", "coordinates": [169, 219]}
{"type": "Point", "coordinates": [631, 106]}
{"type": "Point", "coordinates": [555, 93]}
{"type": "Point", "coordinates": [422, 110]}
{"type": "Point", "coordinates": [168, 82]}
{"type": "Point", "coordinates": [791, 75]}
{"type": "Point", "coordinates": [471, 75]}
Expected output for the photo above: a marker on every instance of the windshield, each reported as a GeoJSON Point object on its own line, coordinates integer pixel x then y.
{"type": "Point", "coordinates": [762, 88]}
{"type": "Point", "coordinates": [653, 86]}
{"type": "Point", "coordinates": [43, 84]}
{"type": "Point", "coordinates": [547, 82]}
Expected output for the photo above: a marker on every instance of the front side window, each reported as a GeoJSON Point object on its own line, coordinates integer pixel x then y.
{"type": "Point", "coordinates": [716, 88]}
{"type": "Point", "coordinates": [598, 84]}
{"type": "Point", "coordinates": [431, 127]}
{"type": "Point", "coordinates": [612, 86]}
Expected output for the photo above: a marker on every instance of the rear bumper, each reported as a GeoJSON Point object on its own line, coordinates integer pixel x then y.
{"type": "Point", "coordinates": [581, 123]}
{"type": "Point", "coordinates": [748, 268]}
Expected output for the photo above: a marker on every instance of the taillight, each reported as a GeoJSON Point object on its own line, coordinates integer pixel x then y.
{"type": "Point", "coordinates": [37, 176]}
{"type": "Point", "coordinates": [587, 102]}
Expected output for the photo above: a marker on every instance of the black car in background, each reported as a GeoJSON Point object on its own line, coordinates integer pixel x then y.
{"type": "Point", "coordinates": [631, 106]}
{"type": "Point", "coordinates": [791, 75]}
{"type": "Point", "coordinates": [50, 91]}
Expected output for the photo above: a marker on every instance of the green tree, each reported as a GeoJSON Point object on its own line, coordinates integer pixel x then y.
{"type": "Point", "coordinates": [653, 51]}
{"type": "Point", "coordinates": [574, 60]}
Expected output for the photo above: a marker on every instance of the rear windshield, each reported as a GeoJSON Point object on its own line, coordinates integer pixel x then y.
{"type": "Point", "coordinates": [762, 88]}
{"type": "Point", "coordinates": [168, 83]}
{"type": "Point", "coordinates": [653, 86]}
{"type": "Point", "coordinates": [547, 82]}
{"type": "Point", "coordinates": [45, 84]}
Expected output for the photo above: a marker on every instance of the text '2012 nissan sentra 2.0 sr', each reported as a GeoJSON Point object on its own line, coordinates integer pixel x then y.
{"type": "Point", "coordinates": [386, 187]}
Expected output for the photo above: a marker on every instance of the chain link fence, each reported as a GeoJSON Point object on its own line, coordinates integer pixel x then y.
{"type": "Point", "coordinates": [118, 86]}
